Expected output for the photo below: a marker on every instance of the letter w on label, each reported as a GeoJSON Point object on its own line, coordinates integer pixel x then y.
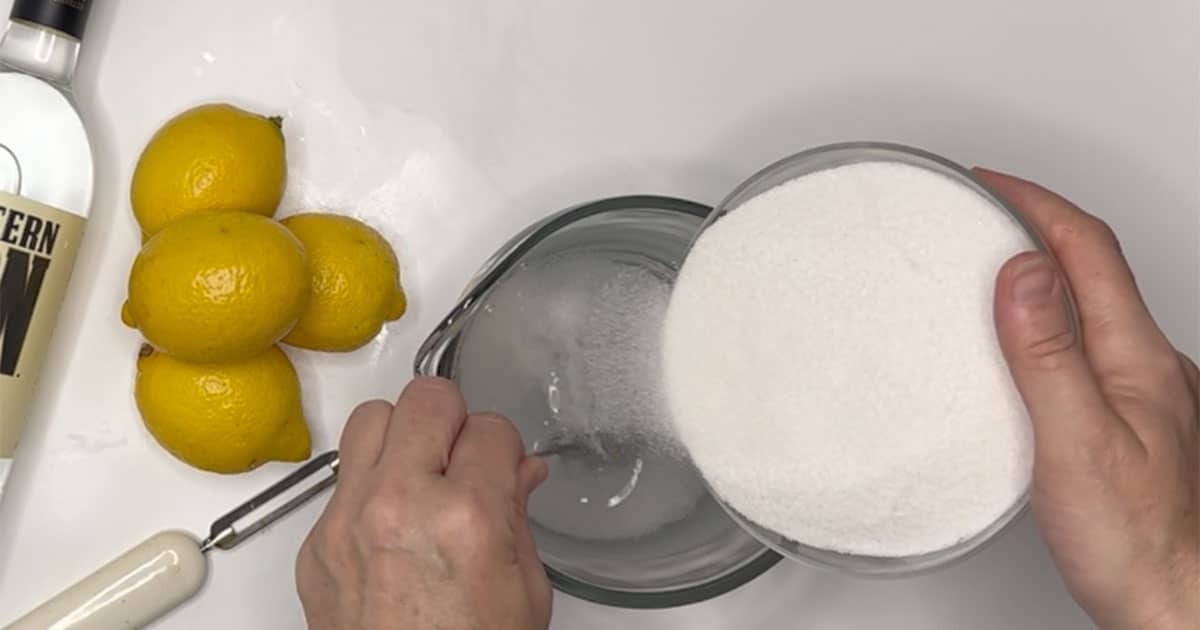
{"type": "Point", "coordinates": [20, 286]}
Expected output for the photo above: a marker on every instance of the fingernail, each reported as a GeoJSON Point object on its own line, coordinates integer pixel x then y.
{"type": "Point", "coordinates": [1035, 281]}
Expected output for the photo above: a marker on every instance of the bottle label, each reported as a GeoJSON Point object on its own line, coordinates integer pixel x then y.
{"type": "Point", "coordinates": [38, 245]}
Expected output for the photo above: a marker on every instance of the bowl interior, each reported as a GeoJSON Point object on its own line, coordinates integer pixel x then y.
{"type": "Point", "coordinates": [565, 307]}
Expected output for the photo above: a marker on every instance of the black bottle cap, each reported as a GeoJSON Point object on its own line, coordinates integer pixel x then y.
{"type": "Point", "coordinates": [67, 16]}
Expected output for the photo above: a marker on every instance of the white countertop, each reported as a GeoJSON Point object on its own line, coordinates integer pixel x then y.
{"type": "Point", "coordinates": [452, 124]}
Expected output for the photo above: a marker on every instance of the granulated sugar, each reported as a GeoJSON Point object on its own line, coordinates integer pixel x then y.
{"type": "Point", "coordinates": [620, 359]}
{"type": "Point", "coordinates": [831, 364]}
{"type": "Point", "coordinates": [571, 341]}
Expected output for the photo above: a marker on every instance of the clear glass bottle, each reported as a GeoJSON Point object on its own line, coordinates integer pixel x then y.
{"type": "Point", "coordinates": [46, 183]}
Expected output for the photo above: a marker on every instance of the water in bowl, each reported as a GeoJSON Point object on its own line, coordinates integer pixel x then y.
{"type": "Point", "coordinates": [569, 340]}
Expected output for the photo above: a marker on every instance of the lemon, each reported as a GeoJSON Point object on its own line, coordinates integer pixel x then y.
{"type": "Point", "coordinates": [225, 418]}
{"type": "Point", "coordinates": [214, 157]}
{"type": "Point", "coordinates": [218, 287]}
{"type": "Point", "coordinates": [355, 283]}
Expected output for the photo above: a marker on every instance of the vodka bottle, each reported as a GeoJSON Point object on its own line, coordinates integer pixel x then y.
{"type": "Point", "coordinates": [46, 179]}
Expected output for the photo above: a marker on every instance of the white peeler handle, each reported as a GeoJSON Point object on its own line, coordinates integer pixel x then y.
{"type": "Point", "coordinates": [133, 590]}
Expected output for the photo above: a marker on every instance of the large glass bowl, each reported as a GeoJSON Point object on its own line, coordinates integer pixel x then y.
{"type": "Point", "coordinates": [832, 156]}
{"type": "Point", "coordinates": [697, 556]}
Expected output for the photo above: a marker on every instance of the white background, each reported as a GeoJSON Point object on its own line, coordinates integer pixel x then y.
{"type": "Point", "coordinates": [452, 124]}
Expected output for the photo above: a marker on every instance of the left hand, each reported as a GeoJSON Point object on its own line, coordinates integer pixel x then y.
{"type": "Point", "coordinates": [427, 527]}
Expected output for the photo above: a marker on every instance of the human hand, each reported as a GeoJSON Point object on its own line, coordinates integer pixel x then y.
{"type": "Point", "coordinates": [427, 527]}
{"type": "Point", "coordinates": [1116, 487]}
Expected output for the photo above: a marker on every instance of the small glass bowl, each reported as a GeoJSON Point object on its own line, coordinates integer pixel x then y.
{"type": "Point", "coordinates": [702, 555]}
{"type": "Point", "coordinates": [822, 158]}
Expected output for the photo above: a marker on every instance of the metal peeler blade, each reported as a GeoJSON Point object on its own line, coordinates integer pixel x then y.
{"type": "Point", "coordinates": [273, 503]}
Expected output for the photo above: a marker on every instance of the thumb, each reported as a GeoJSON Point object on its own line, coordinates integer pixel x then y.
{"type": "Point", "coordinates": [1040, 341]}
{"type": "Point", "coordinates": [530, 475]}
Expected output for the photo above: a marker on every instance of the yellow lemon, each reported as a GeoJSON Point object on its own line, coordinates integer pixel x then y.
{"type": "Point", "coordinates": [226, 418]}
{"type": "Point", "coordinates": [212, 288]}
{"type": "Point", "coordinates": [355, 283]}
{"type": "Point", "coordinates": [211, 158]}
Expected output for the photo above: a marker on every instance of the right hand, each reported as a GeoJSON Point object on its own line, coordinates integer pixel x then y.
{"type": "Point", "coordinates": [1116, 488]}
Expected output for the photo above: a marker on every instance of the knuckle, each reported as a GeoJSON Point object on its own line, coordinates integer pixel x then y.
{"type": "Point", "coordinates": [492, 417]}
{"type": "Point", "coordinates": [363, 416]}
{"type": "Point", "coordinates": [371, 409]}
{"type": "Point", "coordinates": [465, 517]}
{"type": "Point", "coordinates": [383, 518]}
{"type": "Point", "coordinates": [1050, 352]}
{"type": "Point", "coordinates": [1087, 230]}
{"type": "Point", "coordinates": [431, 386]}
{"type": "Point", "coordinates": [1122, 394]}
{"type": "Point", "coordinates": [1158, 375]}
{"type": "Point", "coordinates": [497, 425]}
{"type": "Point", "coordinates": [433, 396]}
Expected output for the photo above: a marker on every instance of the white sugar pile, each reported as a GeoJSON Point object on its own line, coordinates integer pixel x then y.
{"type": "Point", "coordinates": [831, 365]}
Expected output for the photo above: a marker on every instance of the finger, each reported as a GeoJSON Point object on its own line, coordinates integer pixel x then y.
{"type": "Point", "coordinates": [1054, 379]}
{"type": "Point", "coordinates": [423, 428]}
{"type": "Point", "coordinates": [358, 451]}
{"type": "Point", "coordinates": [1125, 347]}
{"type": "Point", "coordinates": [362, 437]}
{"type": "Point", "coordinates": [531, 473]}
{"type": "Point", "coordinates": [487, 454]}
